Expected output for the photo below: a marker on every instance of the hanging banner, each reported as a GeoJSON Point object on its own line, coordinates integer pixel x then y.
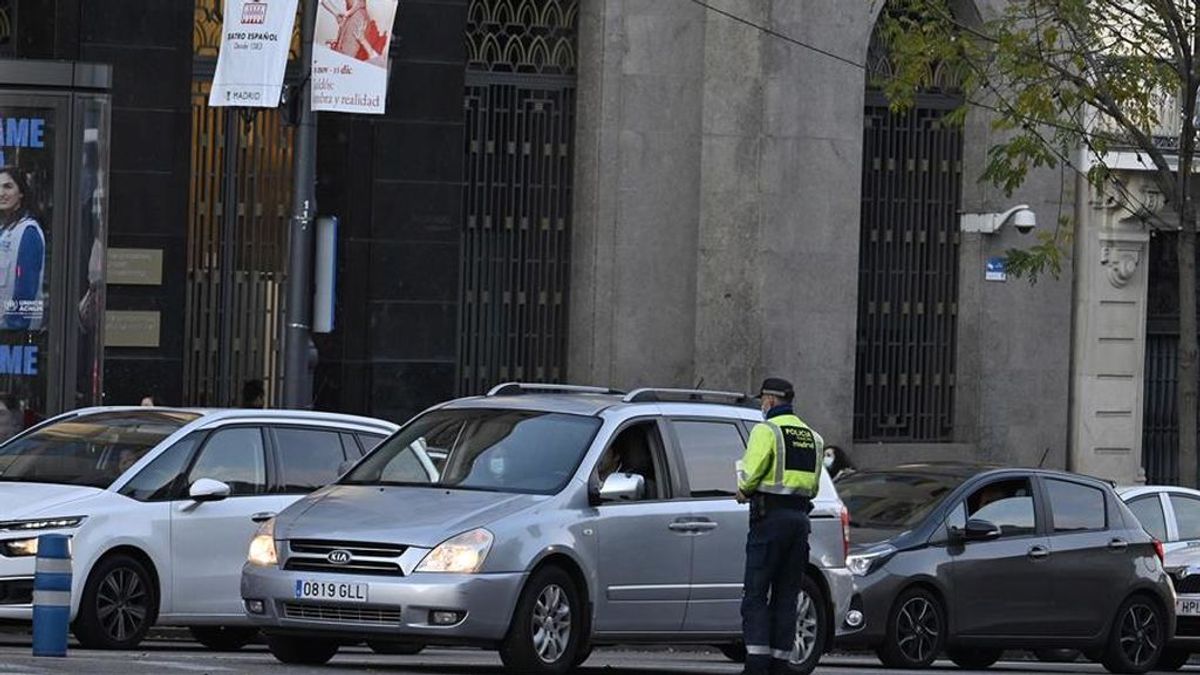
{"type": "Point", "coordinates": [255, 39]}
{"type": "Point", "coordinates": [350, 55]}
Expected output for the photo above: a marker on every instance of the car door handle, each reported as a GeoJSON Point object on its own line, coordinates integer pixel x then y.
{"type": "Point", "coordinates": [1039, 552]}
{"type": "Point", "coordinates": [262, 516]}
{"type": "Point", "coordinates": [1118, 545]}
{"type": "Point", "coordinates": [692, 525]}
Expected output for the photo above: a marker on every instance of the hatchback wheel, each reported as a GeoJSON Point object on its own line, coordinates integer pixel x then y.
{"type": "Point", "coordinates": [119, 605]}
{"type": "Point", "coordinates": [976, 658]}
{"type": "Point", "coordinates": [223, 638]}
{"type": "Point", "coordinates": [916, 631]}
{"type": "Point", "coordinates": [305, 651]}
{"type": "Point", "coordinates": [811, 619]}
{"type": "Point", "coordinates": [1137, 637]}
{"type": "Point", "coordinates": [546, 632]}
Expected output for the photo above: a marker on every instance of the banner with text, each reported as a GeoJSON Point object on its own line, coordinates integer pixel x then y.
{"type": "Point", "coordinates": [350, 55]}
{"type": "Point", "coordinates": [255, 39]}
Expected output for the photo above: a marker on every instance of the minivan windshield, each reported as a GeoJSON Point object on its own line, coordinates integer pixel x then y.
{"type": "Point", "coordinates": [92, 450]}
{"type": "Point", "coordinates": [482, 449]}
{"type": "Point", "coordinates": [892, 501]}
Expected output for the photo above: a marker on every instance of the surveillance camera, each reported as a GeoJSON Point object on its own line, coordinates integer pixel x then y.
{"type": "Point", "coordinates": [1025, 220]}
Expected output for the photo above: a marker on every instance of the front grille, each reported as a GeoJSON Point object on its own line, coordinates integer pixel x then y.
{"type": "Point", "coordinates": [374, 567]}
{"type": "Point", "coordinates": [312, 555]}
{"type": "Point", "coordinates": [16, 592]}
{"type": "Point", "coordinates": [1188, 584]}
{"type": "Point", "coordinates": [356, 548]}
{"type": "Point", "coordinates": [341, 614]}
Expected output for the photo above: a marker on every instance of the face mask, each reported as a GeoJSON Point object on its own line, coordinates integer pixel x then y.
{"type": "Point", "coordinates": [496, 464]}
{"type": "Point", "coordinates": [828, 461]}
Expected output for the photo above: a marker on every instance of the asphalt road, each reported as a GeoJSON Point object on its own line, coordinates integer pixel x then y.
{"type": "Point", "coordinates": [182, 658]}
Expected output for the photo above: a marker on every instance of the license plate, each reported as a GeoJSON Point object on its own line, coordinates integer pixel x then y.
{"type": "Point", "coordinates": [1189, 606]}
{"type": "Point", "coordinates": [330, 590]}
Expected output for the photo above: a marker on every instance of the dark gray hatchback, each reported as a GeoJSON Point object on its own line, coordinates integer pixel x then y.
{"type": "Point", "coordinates": [973, 560]}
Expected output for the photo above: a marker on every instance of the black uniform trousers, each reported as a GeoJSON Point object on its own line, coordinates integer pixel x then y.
{"type": "Point", "coordinates": [776, 555]}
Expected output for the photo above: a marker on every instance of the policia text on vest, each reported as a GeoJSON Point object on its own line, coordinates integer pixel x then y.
{"type": "Point", "coordinates": [779, 475]}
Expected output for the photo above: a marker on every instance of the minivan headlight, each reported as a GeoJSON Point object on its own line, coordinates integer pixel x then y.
{"type": "Point", "coordinates": [262, 546]}
{"type": "Point", "coordinates": [862, 564]}
{"type": "Point", "coordinates": [461, 554]}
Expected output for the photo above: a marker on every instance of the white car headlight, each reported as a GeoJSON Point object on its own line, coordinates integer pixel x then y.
{"type": "Point", "coordinates": [262, 546]}
{"type": "Point", "coordinates": [461, 554]}
{"type": "Point", "coordinates": [19, 548]}
{"type": "Point", "coordinates": [65, 522]}
{"type": "Point", "coordinates": [862, 564]}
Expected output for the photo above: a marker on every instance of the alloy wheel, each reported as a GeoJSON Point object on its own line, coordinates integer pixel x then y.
{"type": "Point", "coordinates": [551, 623]}
{"type": "Point", "coordinates": [1140, 637]}
{"type": "Point", "coordinates": [806, 629]}
{"type": "Point", "coordinates": [917, 629]}
{"type": "Point", "coordinates": [122, 603]}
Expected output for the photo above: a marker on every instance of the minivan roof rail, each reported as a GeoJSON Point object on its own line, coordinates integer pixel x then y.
{"type": "Point", "coordinates": [653, 394]}
{"type": "Point", "coordinates": [516, 388]}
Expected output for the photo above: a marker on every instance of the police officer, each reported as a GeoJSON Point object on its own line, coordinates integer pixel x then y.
{"type": "Point", "coordinates": [778, 475]}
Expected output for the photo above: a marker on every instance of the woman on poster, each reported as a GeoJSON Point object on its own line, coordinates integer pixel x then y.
{"type": "Point", "coordinates": [22, 255]}
{"type": "Point", "coordinates": [358, 35]}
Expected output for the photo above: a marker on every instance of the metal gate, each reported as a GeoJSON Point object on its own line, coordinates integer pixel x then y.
{"type": "Point", "coordinates": [908, 273]}
{"type": "Point", "coordinates": [520, 127]}
{"type": "Point", "coordinates": [1160, 412]}
{"type": "Point", "coordinates": [233, 337]}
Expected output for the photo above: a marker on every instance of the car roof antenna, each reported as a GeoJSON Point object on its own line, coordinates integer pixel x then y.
{"type": "Point", "coordinates": [1044, 454]}
{"type": "Point", "coordinates": [699, 383]}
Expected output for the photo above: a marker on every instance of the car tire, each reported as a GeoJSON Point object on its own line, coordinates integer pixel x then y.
{"type": "Point", "coordinates": [396, 648]}
{"type": "Point", "coordinates": [916, 631]}
{"type": "Point", "coordinates": [974, 658]}
{"type": "Point", "coordinates": [223, 638]}
{"type": "Point", "coordinates": [1137, 636]}
{"type": "Point", "coordinates": [812, 622]}
{"type": "Point", "coordinates": [1173, 659]}
{"type": "Point", "coordinates": [118, 606]}
{"type": "Point", "coordinates": [1050, 655]}
{"type": "Point", "coordinates": [547, 628]}
{"type": "Point", "coordinates": [303, 651]}
{"type": "Point", "coordinates": [735, 652]}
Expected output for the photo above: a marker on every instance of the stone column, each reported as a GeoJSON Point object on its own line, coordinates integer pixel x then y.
{"type": "Point", "coordinates": [1108, 354]}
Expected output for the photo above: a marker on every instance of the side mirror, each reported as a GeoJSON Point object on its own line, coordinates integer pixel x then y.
{"type": "Point", "coordinates": [208, 490]}
{"type": "Point", "coordinates": [981, 530]}
{"type": "Point", "coordinates": [623, 487]}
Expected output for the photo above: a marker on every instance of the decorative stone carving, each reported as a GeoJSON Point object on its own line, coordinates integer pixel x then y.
{"type": "Point", "coordinates": [1121, 261]}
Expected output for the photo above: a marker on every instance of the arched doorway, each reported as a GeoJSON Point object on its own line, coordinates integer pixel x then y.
{"type": "Point", "coordinates": [908, 263]}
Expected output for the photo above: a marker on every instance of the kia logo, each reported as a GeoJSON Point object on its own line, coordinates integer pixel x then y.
{"type": "Point", "coordinates": [339, 557]}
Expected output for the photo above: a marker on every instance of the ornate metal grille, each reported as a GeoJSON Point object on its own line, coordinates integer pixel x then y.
{"type": "Point", "coordinates": [263, 150]}
{"type": "Point", "coordinates": [1160, 415]}
{"type": "Point", "coordinates": [6, 28]}
{"type": "Point", "coordinates": [520, 119]}
{"type": "Point", "coordinates": [908, 274]}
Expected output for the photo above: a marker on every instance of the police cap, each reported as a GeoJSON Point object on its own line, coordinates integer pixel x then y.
{"type": "Point", "coordinates": [778, 387]}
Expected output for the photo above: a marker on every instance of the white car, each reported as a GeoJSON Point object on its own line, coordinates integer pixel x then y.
{"type": "Point", "coordinates": [161, 505]}
{"type": "Point", "coordinates": [1171, 515]}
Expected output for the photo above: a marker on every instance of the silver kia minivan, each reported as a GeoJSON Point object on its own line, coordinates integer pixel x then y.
{"type": "Point", "coordinates": [560, 518]}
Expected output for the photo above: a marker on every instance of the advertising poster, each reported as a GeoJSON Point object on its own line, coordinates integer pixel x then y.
{"type": "Point", "coordinates": [27, 153]}
{"type": "Point", "coordinates": [350, 55]}
{"type": "Point", "coordinates": [255, 38]}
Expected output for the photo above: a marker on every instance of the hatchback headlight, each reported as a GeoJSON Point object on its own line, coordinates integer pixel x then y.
{"type": "Point", "coordinates": [65, 522]}
{"type": "Point", "coordinates": [19, 548]}
{"type": "Point", "coordinates": [262, 546]}
{"type": "Point", "coordinates": [461, 554]}
{"type": "Point", "coordinates": [862, 564]}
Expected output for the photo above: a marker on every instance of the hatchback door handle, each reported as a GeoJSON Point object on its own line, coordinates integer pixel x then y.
{"type": "Point", "coordinates": [1118, 545]}
{"type": "Point", "coordinates": [1039, 552]}
{"type": "Point", "coordinates": [262, 516]}
{"type": "Point", "coordinates": [692, 525]}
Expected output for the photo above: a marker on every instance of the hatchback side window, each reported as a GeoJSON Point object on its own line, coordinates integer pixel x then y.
{"type": "Point", "coordinates": [1075, 507]}
{"type": "Point", "coordinates": [310, 458]}
{"type": "Point", "coordinates": [1187, 516]}
{"type": "Point", "coordinates": [1148, 510]}
{"type": "Point", "coordinates": [1008, 504]}
{"type": "Point", "coordinates": [709, 451]}
{"type": "Point", "coordinates": [235, 457]}
{"type": "Point", "coordinates": [369, 441]}
{"type": "Point", "coordinates": [160, 480]}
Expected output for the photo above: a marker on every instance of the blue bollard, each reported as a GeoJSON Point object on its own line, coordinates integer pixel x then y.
{"type": "Point", "coordinates": [52, 595]}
